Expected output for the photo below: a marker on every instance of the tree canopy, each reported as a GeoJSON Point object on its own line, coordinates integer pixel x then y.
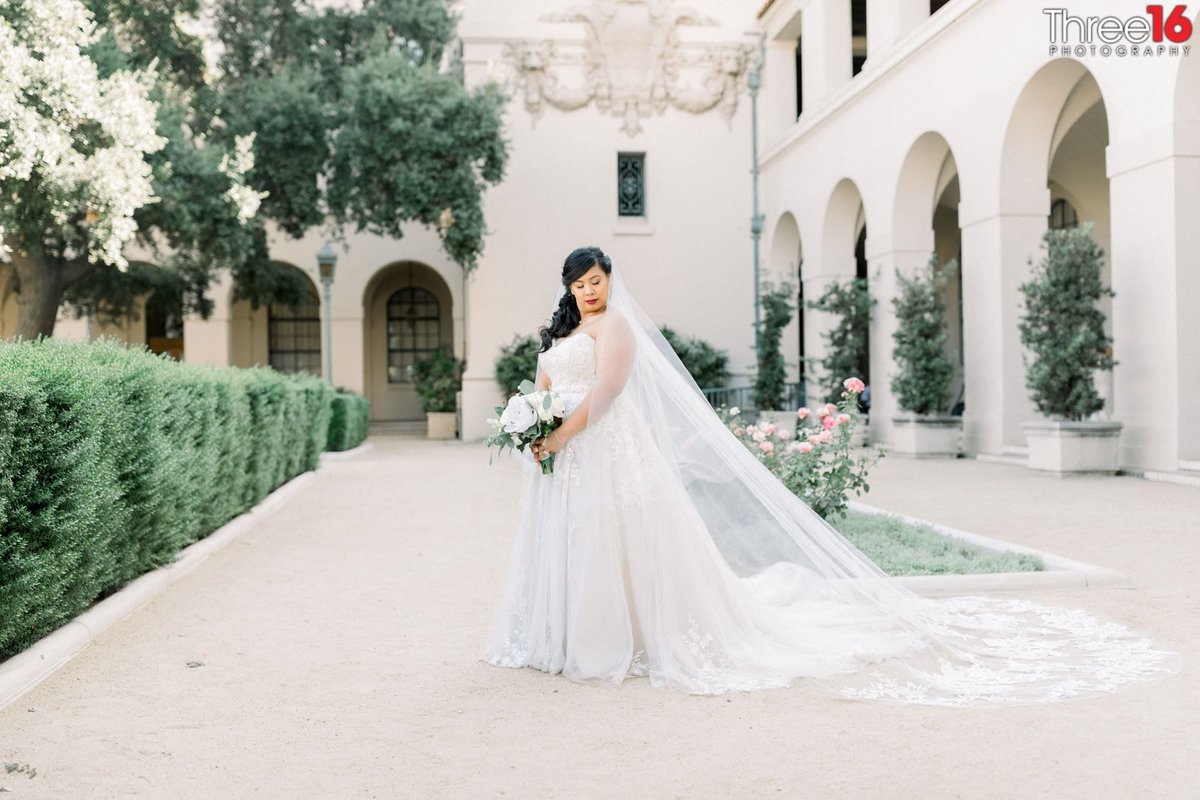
{"type": "Point", "coordinates": [347, 119]}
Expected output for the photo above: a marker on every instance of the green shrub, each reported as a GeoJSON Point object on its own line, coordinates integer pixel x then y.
{"type": "Point", "coordinates": [924, 370]}
{"type": "Point", "coordinates": [438, 378]}
{"type": "Point", "coordinates": [846, 341]}
{"type": "Point", "coordinates": [347, 421]}
{"type": "Point", "coordinates": [707, 365]}
{"type": "Point", "coordinates": [113, 459]}
{"type": "Point", "coordinates": [517, 362]}
{"type": "Point", "coordinates": [770, 380]}
{"type": "Point", "coordinates": [1063, 327]}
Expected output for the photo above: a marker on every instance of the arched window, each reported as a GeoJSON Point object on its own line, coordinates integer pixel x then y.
{"type": "Point", "coordinates": [294, 336]}
{"type": "Point", "coordinates": [1063, 214]}
{"type": "Point", "coordinates": [414, 330]}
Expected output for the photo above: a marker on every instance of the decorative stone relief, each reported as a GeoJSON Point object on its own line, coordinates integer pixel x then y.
{"type": "Point", "coordinates": [631, 64]}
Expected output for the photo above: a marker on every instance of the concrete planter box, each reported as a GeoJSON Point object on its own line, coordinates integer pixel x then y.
{"type": "Point", "coordinates": [442, 424]}
{"type": "Point", "coordinates": [1067, 447]}
{"type": "Point", "coordinates": [927, 435]}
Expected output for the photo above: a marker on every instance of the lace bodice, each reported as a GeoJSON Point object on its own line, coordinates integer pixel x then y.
{"type": "Point", "coordinates": [571, 364]}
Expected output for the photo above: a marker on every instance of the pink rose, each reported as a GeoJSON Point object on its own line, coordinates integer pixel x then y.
{"type": "Point", "coordinates": [766, 447]}
{"type": "Point", "coordinates": [814, 438]}
{"type": "Point", "coordinates": [739, 430]}
{"type": "Point", "coordinates": [759, 436]}
{"type": "Point", "coordinates": [830, 407]}
{"type": "Point", "coordinates": [803, 447]}
{"type": "Point", "coordinates": [825, 437]}
{"type": "Point", "coordinates": [843, 419]}
{"type": "Point", "coordinates": [769, 429]}
{"type": "Point", "coordinates": [785, 434]}
{"type": "Point", "coordinates": [854, 385]}
{"type": "Point", "coordinates": [802, 412]}
{"type": "Point", "coordinates": [822, 412]}
{"type": "Point", "coordinates": [796, 446]}
{"type": "Point", "coordinates": [828, 422]}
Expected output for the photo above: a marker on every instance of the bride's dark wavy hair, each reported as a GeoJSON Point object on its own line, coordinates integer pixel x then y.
{"type": "Point", "coordinates": [566, 316]}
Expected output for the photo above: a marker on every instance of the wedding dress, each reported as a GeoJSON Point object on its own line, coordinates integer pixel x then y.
{"type": "Point", "coordinates": [661, 547]}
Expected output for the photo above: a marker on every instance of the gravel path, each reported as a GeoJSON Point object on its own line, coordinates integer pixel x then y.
{"type": "Point", "coordinates": [331, 652]}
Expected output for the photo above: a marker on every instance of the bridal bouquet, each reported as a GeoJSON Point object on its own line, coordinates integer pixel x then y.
{"type": "Point", "coordinates": [530, 414]}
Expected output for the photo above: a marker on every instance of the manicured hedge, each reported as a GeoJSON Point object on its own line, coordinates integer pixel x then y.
{"type": "Point", "coordinates": [112, 459]}
{"type": "Point", "coordinates": [348, 421]}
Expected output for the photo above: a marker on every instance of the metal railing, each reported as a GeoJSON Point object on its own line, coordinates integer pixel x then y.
{"type": "Point", "coordinates": [743, 396]}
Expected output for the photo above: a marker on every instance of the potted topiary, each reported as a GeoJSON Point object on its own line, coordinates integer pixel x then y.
{"type": "Point", "coordinates": [438, 379]}
{"type": "Point", "coordinates": [1064, 330]}
{"type": "Point", "coordinates": [922, 385]}
{"type": "Point", "coordinates": [850, 303]}
{"type": "Point", "coordinates": [770, 379]}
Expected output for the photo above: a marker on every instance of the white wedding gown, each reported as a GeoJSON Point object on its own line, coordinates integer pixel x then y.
{"type": "Point", "coordinates": [637, 587]}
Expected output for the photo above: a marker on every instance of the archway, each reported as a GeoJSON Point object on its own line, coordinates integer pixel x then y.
{"type": "Point", "coordinates": [926, 222]}
{"type": "Point", "coordinates": [786, 262]}
{"type": "Point", "coordinates": [408, 314]}
{"type": "Point", "coordinates": [285, 337]}
{"type": "Point", "coordinates": [843, 259]}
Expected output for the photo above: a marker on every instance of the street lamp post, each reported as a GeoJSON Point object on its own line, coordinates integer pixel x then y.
{"type": "Point", "coordinates": [326, 262]}
{"type": "Point", "coordinates": [753, 82]}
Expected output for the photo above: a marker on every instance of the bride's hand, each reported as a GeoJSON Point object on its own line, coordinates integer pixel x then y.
{"type": "Point", "coordinates": [547, 445]}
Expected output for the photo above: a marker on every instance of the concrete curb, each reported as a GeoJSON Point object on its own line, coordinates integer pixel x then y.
{"type": "Point", "coordinates": [343, 455]}
{"type": "Point", "coordinates": [25, 670]}
{"type": "Point", "coordinates": [1060, 571]}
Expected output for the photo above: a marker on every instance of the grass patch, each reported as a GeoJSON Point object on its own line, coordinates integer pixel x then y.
{"type": "Point", "coordinates": [904, 548]}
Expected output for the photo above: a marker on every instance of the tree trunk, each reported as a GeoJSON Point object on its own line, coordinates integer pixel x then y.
{"type": "Point", "coordinates": [42, 280]}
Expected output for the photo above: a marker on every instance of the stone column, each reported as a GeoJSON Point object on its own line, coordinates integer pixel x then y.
{"type": "Point", "coordinates": [998, 248]}
{"type": "Point", "coordinates": [827, 50]}
{"type": "Point", "coordinates": [1154, 206]}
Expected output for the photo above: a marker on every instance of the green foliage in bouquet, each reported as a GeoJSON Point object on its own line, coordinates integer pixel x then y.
{"type": "Point", "coordinates": [438, 378]}
{"type": "Point", "coordinates": [708, 365]}
{"type": "Point", "coordinates": [815, 463]}
{"type": "Point", "coordinates": [521, 440]}
{"type": "Point", "coordinates": [770, 381]}
{"type": "Point", "coordinates": [1063, 327]}
{"type": "Point", "coordinates": [517, 361]}
{"type": "Point", "coordinates": [922, 382]}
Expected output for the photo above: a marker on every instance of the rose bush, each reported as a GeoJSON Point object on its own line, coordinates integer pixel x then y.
{"type": "Point", "coordinates": [813, 460]}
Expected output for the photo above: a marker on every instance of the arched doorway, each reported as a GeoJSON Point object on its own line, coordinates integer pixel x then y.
{"type": "Point", "coordinates": [926, 223]}
{"type": "Point", "coordinates": [408, 315]}
{"type": "Point", "coordinates": [843, 261]}
{"type": "Point", "coordinates": [280, 335]}
{"type": "Point", "coordinates": [786, 263]}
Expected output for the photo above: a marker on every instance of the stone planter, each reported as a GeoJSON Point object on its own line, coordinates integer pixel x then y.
{"type": "Point", "coordinates": [926, 435]}
{"type": "Point", "coordinates": [442, 424]}
{"type": "Point", "coordinates": [1067, 447]}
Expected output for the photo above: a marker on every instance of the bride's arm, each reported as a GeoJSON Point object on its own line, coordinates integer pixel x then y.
{"type": "Point", "coordinates": [615, 346]}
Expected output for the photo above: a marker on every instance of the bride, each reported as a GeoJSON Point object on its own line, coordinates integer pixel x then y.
{"type": "Point", "coordinates": [659, 546]}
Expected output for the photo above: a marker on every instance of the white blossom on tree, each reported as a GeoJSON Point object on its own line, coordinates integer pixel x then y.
{"type": "Point", "coordinates": [72, 145]}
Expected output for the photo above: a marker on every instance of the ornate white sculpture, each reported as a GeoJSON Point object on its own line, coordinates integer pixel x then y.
{"type": "Point", "coordinates": [632, 64]}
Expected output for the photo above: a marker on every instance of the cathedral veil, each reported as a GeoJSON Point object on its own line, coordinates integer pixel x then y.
{"type": "Point", "coordinates": [893, 643]}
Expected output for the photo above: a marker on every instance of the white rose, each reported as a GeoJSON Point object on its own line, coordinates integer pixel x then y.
{"type": "Point", "coordinates": [518, 416]}
{"type": "Point", "coordinates": [558, 406]}
{"type": "Point", "coordinates": [537, 401]}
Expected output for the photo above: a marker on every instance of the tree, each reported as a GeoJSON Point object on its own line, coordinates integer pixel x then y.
{"type": "Point", "coordinates": [922, 382]}
{"type": "Point", "coordinates": [770, 380]}
{"type": "Point", "coordinates": [338, 117]}
{"type": "Point", "coordinates": [846, 342]}
{"type": "Point", "coordinates": [1062, 326]}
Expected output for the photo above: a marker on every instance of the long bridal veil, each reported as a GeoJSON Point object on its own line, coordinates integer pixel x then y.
{"type": "Point", "coordinates": [811, 586]}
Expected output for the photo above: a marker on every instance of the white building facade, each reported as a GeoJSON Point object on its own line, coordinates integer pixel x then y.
{"type": "Point", "coordinates": [888, 130]}
{"type": "Point", "coordinates": [955, 129]}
